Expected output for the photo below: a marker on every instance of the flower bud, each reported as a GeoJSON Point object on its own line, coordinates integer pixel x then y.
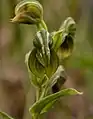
{"type": "Point", "coordinates": [28, 12]}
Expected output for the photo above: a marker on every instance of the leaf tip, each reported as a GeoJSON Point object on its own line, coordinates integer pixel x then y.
{"type": "Point", "coordinates": [75, 92]}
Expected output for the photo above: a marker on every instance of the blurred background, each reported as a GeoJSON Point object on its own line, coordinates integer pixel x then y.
{"type": "Point", "coordinates": [16, 94]}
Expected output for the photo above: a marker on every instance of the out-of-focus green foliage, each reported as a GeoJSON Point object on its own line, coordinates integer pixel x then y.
{"type": "Point", "coordinates": [4, 116]}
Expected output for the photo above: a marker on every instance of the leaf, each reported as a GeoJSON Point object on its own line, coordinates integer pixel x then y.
{"type": "Point", "coordinates": [3, 115]}
{"type": "Point", "coordinates": [49, 105]}
{"type": "Point", "coordinates": [46, 103]}
{"type": "Point", "coordinates": [54, 62]}
{"type": "Point", "coordinates": [33, 65]}
{"type": "Point", "coordinates": [34, 79]}
{"type": "Point", "coordinates": [57, 40]}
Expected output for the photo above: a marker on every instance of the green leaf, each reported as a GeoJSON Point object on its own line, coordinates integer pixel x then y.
{"type": "Point", "coordinates": [46, 103]}
{"type": "Point", "coordinates": [3, 115]}
{"type": "Point", "coordinates": [49, 105]}
{"type": "Point", "coordinates": [34, 79]}
{"type": "Point", "coordinates": [33, 65]}
{"type": "Point", "coordinates": [57, 40]}
{"type": "Point", "coordinates": [54, 62]}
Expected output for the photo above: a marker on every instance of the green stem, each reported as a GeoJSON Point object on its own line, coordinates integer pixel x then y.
{"type": "Point", "coordinates": [59, 31]}
{"type": "Point", "coordinates": [38, 93]}
{"type": "Point", "coordinates": [37, 117]}
{"type": "Point", "coordinates": [42, 25]}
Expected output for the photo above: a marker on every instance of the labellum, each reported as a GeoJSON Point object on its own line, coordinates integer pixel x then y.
{"type": "Point", "coordinates": [66, 47]}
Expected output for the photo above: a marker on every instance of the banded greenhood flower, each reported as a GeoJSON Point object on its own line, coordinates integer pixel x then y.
{"type": "Point", "coordinates": [43, 43]}
{"type": "Point", "coordinates": [63, 39]}
{"type": "Point", "coordinates": [66, 48]}
{"type": "Point", "coordinates": [28, 12]}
